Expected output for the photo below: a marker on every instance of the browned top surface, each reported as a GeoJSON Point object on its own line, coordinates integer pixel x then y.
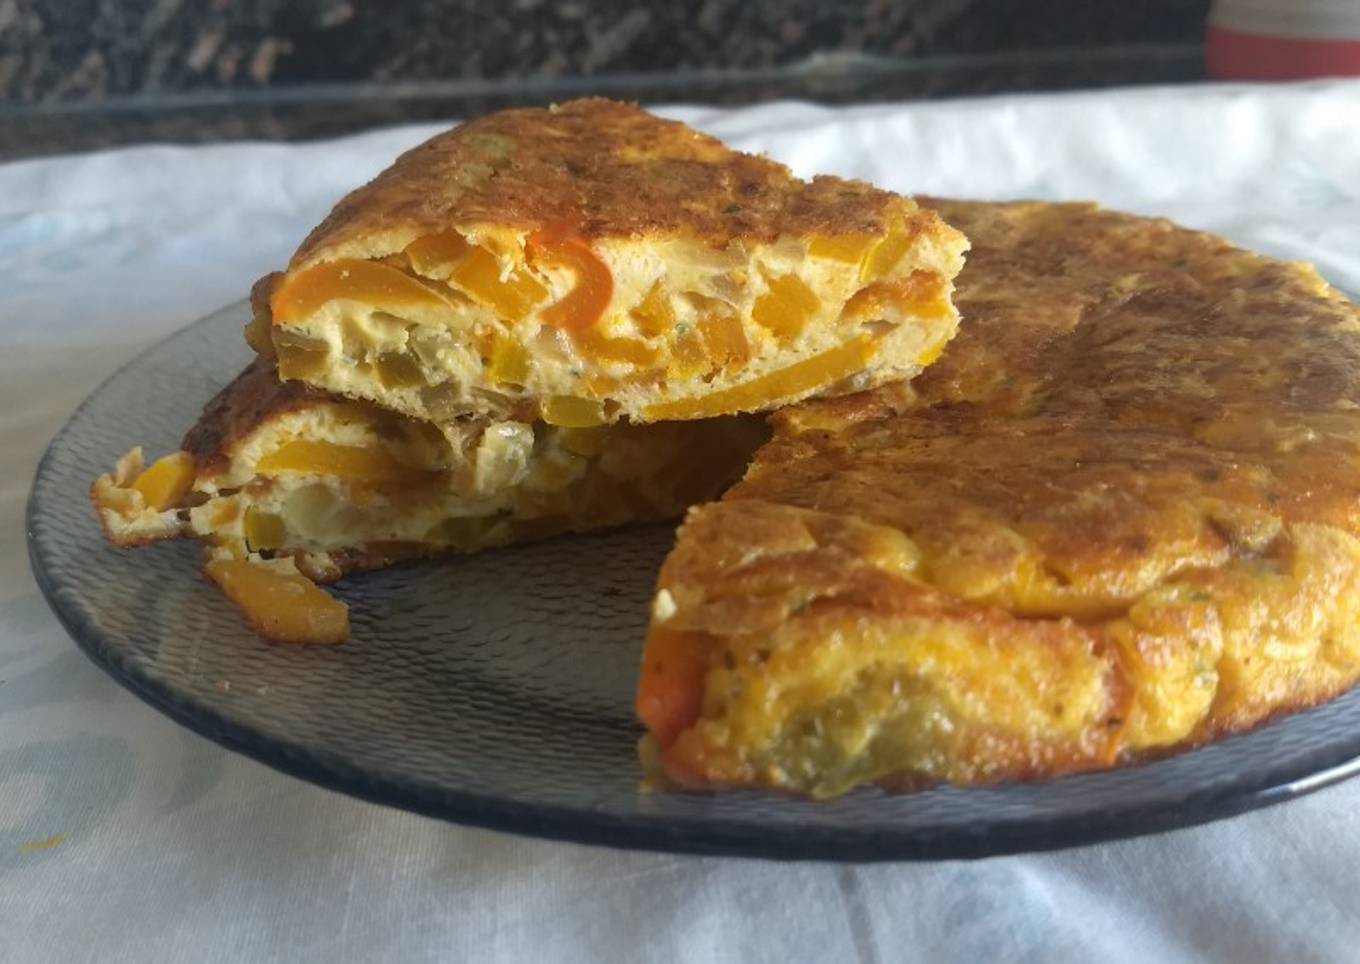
{"type": "Point", "coordinates": [1125, 399]}
{"type": "Point", "coordinates": [608, 170]}
{"type": "Point", "coordinates": [1143, 440]}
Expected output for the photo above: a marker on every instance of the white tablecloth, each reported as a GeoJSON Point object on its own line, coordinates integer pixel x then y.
{"type": "Point", "coordinates": [126, 838]}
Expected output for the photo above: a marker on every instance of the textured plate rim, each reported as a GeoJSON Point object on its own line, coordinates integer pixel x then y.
{"type": "Point", "coordinates": [1252, 790]}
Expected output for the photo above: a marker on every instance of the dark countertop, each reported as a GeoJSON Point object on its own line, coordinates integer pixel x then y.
{"type": "Point", "coordinates": [93, 50]}
{"type": "Point", "coordinates": [316, 110]}
{"type": "Point", "coordinates": [83, 74]}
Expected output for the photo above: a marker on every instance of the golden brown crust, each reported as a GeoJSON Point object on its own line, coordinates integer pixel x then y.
{"type": "Point", "coordinates": [1078, 309]}
{"type": "Point", "coordinates": [251, 398]}
{"type": "Point", "coordinates": [1142, 435]}
{"type": "Point", "coordinates": [123, 513]}
{"type": "Point", "coordinates": [120, 535]}
{"type": "Point", "coordinates": [606, 170]}
{"type": "Point", "coordinates": [642, 474]}
{"type": "Point", "coordinates": [258, 332]}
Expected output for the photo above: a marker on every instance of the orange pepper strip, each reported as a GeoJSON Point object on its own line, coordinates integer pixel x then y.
{"type": "Point", "coordinates": [596, 347]}
{"type": "Point", "coordinates": [584, 304]}
{"type": "Point", "coordinates": [811, 373]}
{"type": "Point", "coordinates": [379, 285]}
{"type": "Point", "coordinates": [285, 607]}
{"type": "Point", "coordinates": [318, 457]}
{"type": "Point", "coordinates": [671, 688]}
{"type": "Point", "coordinates": [167, 481]}
{"type": "Point", "coordinates": [846, 248]}
{"type": "Point", "coordinates": [434, 251]}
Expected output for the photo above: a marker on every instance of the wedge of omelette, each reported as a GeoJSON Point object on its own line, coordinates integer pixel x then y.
{"type": "Point", "coordinates": [1120, 516]}
{"type": "Point", "coordinates": [589, 262]}
{"type": "Point", "coordinates": [288, 486]}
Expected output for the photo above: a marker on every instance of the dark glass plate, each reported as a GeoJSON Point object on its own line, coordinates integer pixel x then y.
{"type": "Point", "coordinates": [496, 689]}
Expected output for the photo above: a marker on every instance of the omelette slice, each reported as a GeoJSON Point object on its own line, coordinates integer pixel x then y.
{"type": "Point", "coordinates": [287, 486]}
{"type": "Point", "coordinates": [1120, 516]}
{"type": "Point", "coordinates": [590, 262]}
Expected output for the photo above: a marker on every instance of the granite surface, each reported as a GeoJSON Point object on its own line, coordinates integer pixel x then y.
{"type": "Point", "coordinates": [39, 130]}
{"type": "Point", "coordinates": [82, 74]}
{"type": "Point", "coordinates": [68, 50]}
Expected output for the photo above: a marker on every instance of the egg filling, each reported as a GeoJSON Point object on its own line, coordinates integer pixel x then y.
{"type": "Point", "coordinates": [334, 486]}
{"type": "Point", "coordinates": [549, 325]}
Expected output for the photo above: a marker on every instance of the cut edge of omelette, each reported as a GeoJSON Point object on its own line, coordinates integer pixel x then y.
{"type": "Point", "coordinates": [832, 662]}
{"type": "Point", "coordinates": [288, 488]}
{"type": "Point", "coordinates": [590, 263]}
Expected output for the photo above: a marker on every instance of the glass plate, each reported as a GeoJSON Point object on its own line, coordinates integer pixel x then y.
{"type": "Point", "coordinates": [496, 689]}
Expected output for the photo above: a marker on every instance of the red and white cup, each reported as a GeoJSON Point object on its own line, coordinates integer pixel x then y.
{"type": "Point", "coordinates": [1283, 39]}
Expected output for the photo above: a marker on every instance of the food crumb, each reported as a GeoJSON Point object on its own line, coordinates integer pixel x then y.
{"type": "Point", "coordinates": [47, 844]}
{"type": "Point", "coordinates": [663, 606]}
